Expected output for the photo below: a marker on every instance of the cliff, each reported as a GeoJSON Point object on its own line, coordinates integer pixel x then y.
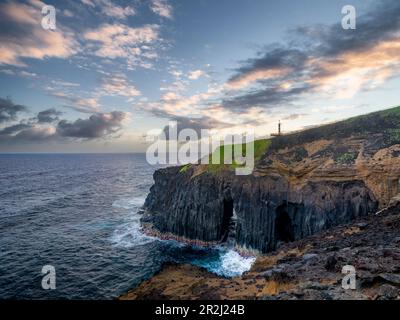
{"type": "Point", "coordinates": [303, 183]}
{"type": "Point", "coordinates": [310, 268]}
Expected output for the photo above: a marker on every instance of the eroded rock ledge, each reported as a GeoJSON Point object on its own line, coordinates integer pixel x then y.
{"type": "Point", "coordinates": [306, 269]}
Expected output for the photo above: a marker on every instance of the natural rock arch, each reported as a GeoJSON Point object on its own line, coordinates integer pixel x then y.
{"type": "Point", "coordinates": [226, 218]}
{"type": "Point", "coordinates": [284, 228]}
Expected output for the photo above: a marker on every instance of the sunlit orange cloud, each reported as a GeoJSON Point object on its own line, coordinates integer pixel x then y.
{"type": "Point", "coordinates": [248, 78]}
{"type": "Point", "coordinates": [21, 13]}
{"type": "Point", "coordinates": [286, 85]}
{"type": "Point", "coordinates": [174, 104]}
{"type": "Point", "coordinates": [39, 43]}
{"type": "Point", "coordinates": [252, 115]}
{"type": "Point", "coordinates": [348, 73]}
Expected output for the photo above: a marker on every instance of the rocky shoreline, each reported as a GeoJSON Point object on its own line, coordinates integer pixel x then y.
{"type": "Point", "coordinates": [306, 269]}
{"type": "Point", "coordinates": [151, 231]}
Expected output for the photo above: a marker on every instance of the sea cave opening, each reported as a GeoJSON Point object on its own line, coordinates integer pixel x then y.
{"type": "Point", "coordinates": [283, 225]}
{"type": "Point", "coordinates": [226, 218]}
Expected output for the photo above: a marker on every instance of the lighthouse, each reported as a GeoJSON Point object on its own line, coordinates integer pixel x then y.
{"type": "Point", "coordinates": [279, 130]}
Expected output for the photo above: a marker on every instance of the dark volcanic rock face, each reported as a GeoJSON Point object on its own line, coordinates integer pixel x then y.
{"type": "Point", "coordinates": [269, 210]}
{"type": "Point", "coordinates": [189, 208]}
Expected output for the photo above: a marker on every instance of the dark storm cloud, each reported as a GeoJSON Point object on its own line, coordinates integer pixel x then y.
{"type": "Point", "coordinates": [96, 126]}
{"type": "Point", "coordinates": [46, 125]}
{"type": "Point", "coordinates": [303, 61]}
{"type": "Point", "coordinates": [276, 57]}
{"type": "Point", "coordinates": [381, 22]}
{"type": "Point", "coordinates": [48, 116]}
{"type": "Point", "coordinates": [267, 98]}
{"type": "Point", "coordinates": [9, 110]}
{"type": "Point", "coordinates": [195, 124]}
{"type": "Point", "coordinates": [14, 129]}
{"type": "Point", "coordinates": [33, 134]}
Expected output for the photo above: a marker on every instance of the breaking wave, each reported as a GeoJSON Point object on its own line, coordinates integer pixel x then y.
{"type": "Point", "coordinates": [220, 260]}
{"type": "Point", "coordinates": [129, 233]}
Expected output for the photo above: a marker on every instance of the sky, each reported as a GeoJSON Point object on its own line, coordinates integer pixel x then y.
{"type": "Point", "coordinates": [112, 71]}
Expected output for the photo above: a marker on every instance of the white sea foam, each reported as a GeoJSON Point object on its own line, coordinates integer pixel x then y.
{"type": "Point", "coordinates": [228, 263]}
{"type": "Point", "coordinates": [233, 264]}
{"type": "Point", "coordinates": [129, 233]}
{"type": "Point", "coordinates": [129, 203]}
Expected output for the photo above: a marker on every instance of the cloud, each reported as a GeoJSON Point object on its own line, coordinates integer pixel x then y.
{"type": "Point", "coordinates": [14, 128]}
{"type": "Point", "coordinates": [89, 3]}
{"type": "Point", "coordinates": [194, 75]}
{"type": "Point", "coordinates": [243, 80]}
{"type": "Point", "coordinates": [21, 73]}
{"type": "Point", "coordinates": [98, 125]}
{"type": "Point", "coordinates": [35, 133]}
{"type": "Point", "coordinates": [295, 116]}
{"type": "Point", "coordinates": [275, 63]}
{"type": "Point", "coordinates": [9, 110]}
{"type": "Point", "coordinates": [62, 83]}
{"type": "Point", "coordinates": [175, 105]}
{"type": "Point", "coordinates": [323, 60]}
{"type": "Point", "coordinates": [196, 124]}
{"type": "Point", "coordinates": [27, 133]}
{"type": "Point", "coordinates": [269, 97]}
{"type": "Point", "coordinates": [67, 13]}
{"type": "Point", "coordinates": [46, 126]}
{"type": "Point", "coordinates": [111, 9]}
{"type": "Point", "coordinates": [27, 130]}
{"type": "Point", "coordinates": [317, 61]}
{"type": "Point", "coordinates": [48, 116]}
{"type": "Point", "coordinates": [21, 35]}
{"type": "Point", "coordinates": [118, 86]}
{"type": "Point", "coordinates": [170, 96]}
{"type": "Point", "coordinates": [162, 8]}
{"type": "Point", "coordinates": [121, 41]}
{"type": "Point", "coordinates": [84, 105]}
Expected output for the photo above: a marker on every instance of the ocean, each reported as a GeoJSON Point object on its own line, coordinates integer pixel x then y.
{"type": "Point", "coordinates": [79, 214]}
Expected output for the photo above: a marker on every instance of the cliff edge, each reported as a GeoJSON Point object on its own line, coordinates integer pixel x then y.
{"type": "Point", "coordinates": [302, 183]}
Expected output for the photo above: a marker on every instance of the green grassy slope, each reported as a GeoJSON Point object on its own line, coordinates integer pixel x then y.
{"type": "Point", "coordinates": [260, 147]}
{"type": "Point", "coordinates": [386, 122]}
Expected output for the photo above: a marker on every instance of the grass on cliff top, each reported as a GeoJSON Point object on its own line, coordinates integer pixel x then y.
{"type": "Point", "coordinates": [385, 121]}
{"type": "Point", "coordinates": [260, 147]}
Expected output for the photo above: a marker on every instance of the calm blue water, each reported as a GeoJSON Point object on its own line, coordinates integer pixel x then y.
{"type": "Point", "coordinates": [79, 213]}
